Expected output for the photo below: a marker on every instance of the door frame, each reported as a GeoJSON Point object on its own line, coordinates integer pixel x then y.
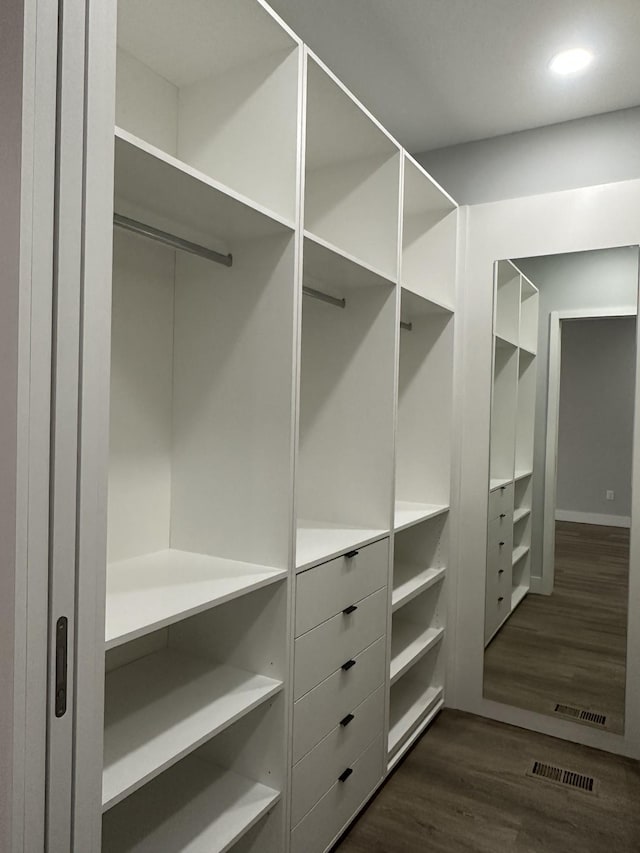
{"type": "Point", "coordinates": [556, 319]}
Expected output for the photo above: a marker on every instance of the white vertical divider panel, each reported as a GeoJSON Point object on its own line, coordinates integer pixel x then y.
{"type": "Point", "coordinates": [64, 434]}
{"type": "Point", "coordinates": [94, 426]}
{"type": "Point", "coordinates": [28, 59]}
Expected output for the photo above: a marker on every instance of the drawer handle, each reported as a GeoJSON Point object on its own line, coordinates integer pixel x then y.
{"type": "Point", "coordinates": [350, 609]}
{"type": "Point", "coordinates": [502, 488]}
{"type": "Point", "coordinates": [501, 598]}
{"type": "Point", "coordinates": [351, 554]}
{"type": "Point", "coordinates": [346, 720]}
{"type": "Point", "coordinates": [345, 775]}
{"type": "Point", "coordinates": [500, 571]}
{"type": "Point", "coordinates": [501, 544]}
{"type": "Point", "coordinates": [503, 515]}
{"type": "Point", "coordinates": [348, 664]}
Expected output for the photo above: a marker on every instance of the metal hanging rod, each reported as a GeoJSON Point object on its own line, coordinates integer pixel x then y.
{"type": "Point", "coordinates": [324, 297]}
{"type": "Point", "coordinates": [170, 240]}
{"type": "Point", "coordinates": [407, 326]}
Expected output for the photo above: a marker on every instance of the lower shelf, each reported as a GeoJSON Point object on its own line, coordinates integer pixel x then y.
{"type": "Point", "coordinates": [411, 702]}
{"type": "Point", "coordinates": [518, 595]}
{"type": "Point", "coordinates": [193, 807]}
{"type": "Point", "coordinates": [409, 643]}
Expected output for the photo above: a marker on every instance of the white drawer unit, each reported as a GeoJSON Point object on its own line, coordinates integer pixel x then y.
{"type": "Point", "coordinates": [501, 501]}
{"type": "Point", "coordinates": [321, 710]}
{"type": "Point", "coordinates": [335, 643]}
{"type": "Point", "coordinates": [314, 774]}
{"type": "Point", "coordinates": [499, 552]}
{"type": "Point", "coordinates": [330, 588]}
{"type": "Point", "coordinates": [340, 804]}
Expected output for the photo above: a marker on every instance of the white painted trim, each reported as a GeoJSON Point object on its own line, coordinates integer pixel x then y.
{"type": "Point", "coordinates": [593, 518]}
{"type": "Point", "coordinates": [556, 318]}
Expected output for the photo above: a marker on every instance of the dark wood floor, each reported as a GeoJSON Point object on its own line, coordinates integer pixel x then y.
{"type": "Point", "coordinates": [569, 647]}
{"type": "Point", "coordinates": [464, 789]}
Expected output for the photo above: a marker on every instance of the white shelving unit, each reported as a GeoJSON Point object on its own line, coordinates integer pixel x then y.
{"type": "Point", "coordinates": [512, 444]}
{"type": "Point", "coordinates": [280, 393]}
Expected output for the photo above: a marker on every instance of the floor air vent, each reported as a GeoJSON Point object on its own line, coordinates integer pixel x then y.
{"type": "Point", "coordinates": [592, 717]}
{"type": "Point", "coordinates": [560, 776]}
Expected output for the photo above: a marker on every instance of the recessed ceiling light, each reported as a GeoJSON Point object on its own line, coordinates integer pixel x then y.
{"type": "Point", "coordinates": [571, 61]}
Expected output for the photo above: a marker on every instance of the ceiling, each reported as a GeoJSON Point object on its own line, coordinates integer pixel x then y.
{"type": "Point", "coordinates": [442, 72]}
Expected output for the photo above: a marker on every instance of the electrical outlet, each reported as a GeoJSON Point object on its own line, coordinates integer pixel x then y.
{"type": "Point", "coordinates": [610, 495]}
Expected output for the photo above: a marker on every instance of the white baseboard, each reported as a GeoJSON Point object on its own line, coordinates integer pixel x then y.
{"type": "Point", "coordinates": [593, 518]}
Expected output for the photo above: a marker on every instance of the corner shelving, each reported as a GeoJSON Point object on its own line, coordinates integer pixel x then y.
{"type": "Point", "coordinates": [347, 358]}
{"type": "Point", "coordinates": [352, 178]}
{"type": "Point", "coordinates": [225, 102]}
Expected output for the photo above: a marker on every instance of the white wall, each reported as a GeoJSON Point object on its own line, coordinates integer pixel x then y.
{"type": "Point", "coordinates": [596, 150]}
{"type": "Point", "coordinates": [595, 425]}
{"type": "Point", "coordinates": [573, 281]}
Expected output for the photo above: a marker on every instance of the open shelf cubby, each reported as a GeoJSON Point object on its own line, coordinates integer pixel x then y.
{"type": "Point", "coordinates": [414, 697]}
{"type": "Point", "coordinates": [420, 560]}
{"type": "Point", "coordinates": [220, 797]}
{"type": "Point", "coordinates": [522, 497]}
{"type": "Point", "coordinates": [526, 406]}
{"type": "Point", "coordinates": [215, 85]}
{"type": "Point", "coordinates": [416, 629]}
{"type": "Point", "coordinates": [507, 302]}
{"type": "Point", "coordinates": [503, 412]}
{"type": "Point", "coordinates": [529, 298]}
{"type": "Point", "coordinates": [346, 407]}
{"type": "Point", "coordinates": [425, 381]}
{"type": "Point", "coordinates": [352, 175]}
{"type": "Point", "coordinates": [201, 413]}
{"type": "Point", "coordinates": [429, 237]}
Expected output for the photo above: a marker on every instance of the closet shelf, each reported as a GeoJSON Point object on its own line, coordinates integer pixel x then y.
{"type": "Point", "coordinates": [518, 594]}
{"type": "Point", "coordinates": [409, 643]}
{"type": "Point", "coordinates": [149, 592]}
{"type": "Point", "coordinates": [519, 552]}
{"type": "Point", "coordinates": [521, 513]}
{"type": "Point", "coordinates": [503, 342]}
{"type": "Point", "coordinates": [523, 473]}
{"type": "Point", "coordinates": [431, 306]}
{"type": "Point", "coordinates": [195, 806]}
{"type": "Point", "coordinates": [162, 707]}
{"type": "Point", "coordinates": [408, 513]}
{"type": "Point", "coordinates": [410, 703]}
{"type": "Point", "coordinates": [410, 580]}
{"type": "Point", "coordinates": [151, 181]}
{"type": "Point", "coordinates": [319, 541]}
{"type": "Point", "coordinates": [529, 350]}
{"type": "Point", "coordinates": [328, 262]}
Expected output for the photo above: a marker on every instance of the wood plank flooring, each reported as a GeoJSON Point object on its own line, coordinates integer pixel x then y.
{"type": "Point", "coordinates": [464, 789]}
{"type": "Point", "coordinates": [569, 647]}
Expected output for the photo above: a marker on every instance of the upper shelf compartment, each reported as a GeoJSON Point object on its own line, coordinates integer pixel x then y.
{"type": "Point", "coordinates": [429, 237]}
{"type": "Point", "coordinates": [507, 302]}
{"type": "Point", "coordinates": [352, 175]}
{"type": "Point", "coordinates": [216, 85]}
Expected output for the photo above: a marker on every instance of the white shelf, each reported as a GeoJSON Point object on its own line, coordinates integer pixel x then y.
{"type": "Point", "coordinates": [409, 643]}
{"type": "Point", "coordinates": [410, 703]}
{"type": "Point", "coordinates": [193, 807]}
{"type": "Point", "coordinates": [182, 199]}
{"type": "Point", "coordinates": [519, 552]}
{"type": "Point", "coordinates": [518, 594]}
{"type": "Point", "coordinates": [428, 305]}
{"type": "Point", "coordinates": [162, 707]}
{"type": "Point", "coordinates": [329, 262]}
{"type": "Point", "coordinates": [409, 581]}
{"type": "Point", "coordinates": [521, 513]}
{"type": "Point", "coordinates": [408, 513]}
{"type": "Point", "coordinates": [505, 343]}
{"type": "Point", "coordinates": [319, 541]}
{"type": "Point", "coordinates": [523, 473]}
{"type": "Point", "coordinates": [149, 592]}
{"type": "Point", "coordinates": [499, 482]}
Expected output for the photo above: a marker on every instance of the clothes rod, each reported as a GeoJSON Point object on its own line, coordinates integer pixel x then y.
{"type": "Point", "coordinates": [170, 240]}
{"type": "Point", "coordinates": [407, 326]}
{"type": "Point", "coordinates": [324, 297]}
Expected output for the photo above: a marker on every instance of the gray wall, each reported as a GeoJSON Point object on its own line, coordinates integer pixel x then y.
{"type": "Point", "coordinates": [595, 427]}
{"type": "Point", "coordinates": [601, 279]}
{"type": "Point", "coordinates": [596, 150]}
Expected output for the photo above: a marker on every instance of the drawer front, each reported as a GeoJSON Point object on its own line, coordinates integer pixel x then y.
{"type": "Point", "coordinates": [497, 606]}
{"type": "Point", "coordinates": [340, 804]}
{"type": "Point", "coordinates": [324, 649]}
{"type": "Point", "coordinates": [501, 501]}
{"type": "Point", "coordinates": [499, 552]}
{"type": "Point", "coordinates": [321, 710]}
{"type": "Point", "coordinates": [318, 770]}
{"type": "Point", "coordinates": [328, 589]}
